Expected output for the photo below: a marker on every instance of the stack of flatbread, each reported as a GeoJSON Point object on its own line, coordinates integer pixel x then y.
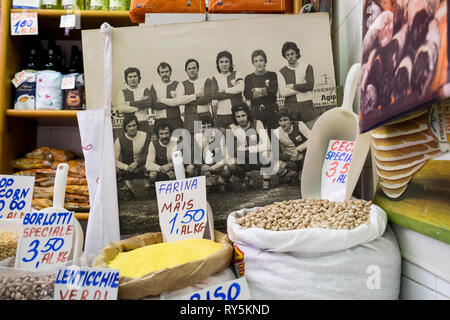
{"type": "Point", "coordinates": [400, 149]}
{"type": "Point", "coordinates": [42, 163]}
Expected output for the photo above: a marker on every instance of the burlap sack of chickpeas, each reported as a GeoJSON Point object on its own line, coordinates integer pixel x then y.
{"type": "Point", "coordinates": [155, 283]}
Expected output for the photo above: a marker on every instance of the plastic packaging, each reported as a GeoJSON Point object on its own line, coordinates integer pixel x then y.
{"type": "Point", "coordinates": [97, 4]}
{"type": "Point", "coordinates": [119, 5]}
{"type": "Point", "coordinates": [24, 95]}
{"type": "Point", "coordinates": [50, 4]}
{"type": "Point", "coordinates": [73, 4]}
{"type": "Point", "coordinates": [48, 90]}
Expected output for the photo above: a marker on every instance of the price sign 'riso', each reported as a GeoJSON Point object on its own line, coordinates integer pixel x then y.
{"type": "Point", "coordinates": [182, 208]}
{"type": "Point", "coordinates": [230, 290]}
{"type": "Point", "coordinates": [24, 23]}
{"type": "Point", "coordinates": [45, 241]}
{"type": "Point", "coordinates": [335, 169]}
{"type": "Point", "coordinates": [16, 193]}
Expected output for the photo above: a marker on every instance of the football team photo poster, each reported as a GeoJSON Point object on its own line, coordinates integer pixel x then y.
{"type": "Point", "coordinates": [232, 87]}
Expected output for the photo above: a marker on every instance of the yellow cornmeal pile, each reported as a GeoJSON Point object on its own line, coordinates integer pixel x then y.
{"type": "Point", "coordinates": [142, 261]}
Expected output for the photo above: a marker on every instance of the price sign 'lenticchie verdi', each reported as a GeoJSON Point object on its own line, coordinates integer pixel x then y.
{"type": "Point", "coordinates": [83, 283]}
{"type": "Point", "coordinates": [45, 241]}
{"type": "Point", "coordinates": [182, 208]}
{"type": "Point", "coordinates": [335, 169]}
{"type": "Point", "coordinates": [16, 193]}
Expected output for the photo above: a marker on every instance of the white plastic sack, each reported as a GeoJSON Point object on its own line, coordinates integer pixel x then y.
{"type": "Point", "coordinates": [312, 240]}
{"type": "Point", "coordinates": [98, 149]}
{"type": "Point", "coordinates": [363, 263]}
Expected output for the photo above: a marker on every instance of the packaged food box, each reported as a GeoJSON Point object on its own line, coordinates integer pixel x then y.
{"type": "Point", "coordinates": [404, 58]}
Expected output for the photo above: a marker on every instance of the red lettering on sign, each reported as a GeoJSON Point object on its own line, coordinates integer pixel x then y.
{"type": "Point", "coordinates": [199, 227]}
{"type": "Point", "coordinates": [63, 296]}
{"type": "Point", "coordinates": [48, 257]}
{"type": "Point", "coordinates": [88, 147]}
{"type": "Point", "coordinates": [335, 146]}
{"type": "Point", "coordinates": [185, 230]}
{"type": "Point", "coordinates": [341, 147]}
{"type": "Point", "coordinates": [73, 294]}
{"type": "Point", "coordinates": [349, 147]}
{"type": "Point", "coordinates": [97, 295]}
{"type": "Point", "coordinates": [167, 207]}
{"type": "Point", "coordinates": [63, 256]}
{"type": "Point", "coordinates": [84, 294]}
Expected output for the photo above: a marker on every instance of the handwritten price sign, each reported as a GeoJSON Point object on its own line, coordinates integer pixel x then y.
{"type": "Point", "coordinates": [45, 241]}
{"type": "Point", "coordinates": [24, 23]}
{"type": "Point", "coordinates": [83, 283]}
{"type": "Point", "coordinates": [335, 169]}
{"type": "Point", "coordinates": [182, 208]}
{"type": "Point", "coordinates": [230, 290]}
{"type": "Point", "coordinates": [16, 193]}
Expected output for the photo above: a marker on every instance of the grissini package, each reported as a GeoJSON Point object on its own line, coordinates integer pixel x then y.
{"type": "Point", "coordinates": [138, 8]}
{"type": "Point", "coordinates": [404, 58]}
{"type": "Point", "coordinates": [411, 158]}
{"type": "Point", "coordinates": [157, 282]}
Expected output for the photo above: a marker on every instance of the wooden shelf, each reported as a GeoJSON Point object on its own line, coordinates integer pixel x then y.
{"type": "Point", "coordinates": [82, 215]}
{"type": "Point", "coordinates": [42, 114]}
{"type": "Point", "coordinates": [83, 13]}
{"type": "Point", "coordinates": [89, 19]}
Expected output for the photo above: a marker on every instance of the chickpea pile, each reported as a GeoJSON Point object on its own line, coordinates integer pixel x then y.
{"type": "Point", "coordinates": [8, 244]}
{"type": "Point", "coordinates": [308, 213]}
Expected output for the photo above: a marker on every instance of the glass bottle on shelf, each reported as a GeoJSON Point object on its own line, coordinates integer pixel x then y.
{"type": "Point", "coordinates": [119, 5]}
{"type": "Point", "coordinates": [32, 55]}
{"type": "Point", "coordinates": [50, 63]}
{"type": "Point", "coordinates": [32, 60]}
{"type": "Point", "coordinates": [73, 4]}
{"type": "Point", "coordinates": [97, 4]}
{"type": "Point", "coordinates": [76, 61]}
{"type": "Point", "coordinates": [57, 54]}
{"type": "Point", "coordinates": [50, 4]}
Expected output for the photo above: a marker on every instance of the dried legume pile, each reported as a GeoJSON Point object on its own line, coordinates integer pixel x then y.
{"type": "Point", "coordinates": [8, 244]}
{"type": "Point", "coordinates": [27, 287]}
{"type": "Point", "coordinates": [308, 213]}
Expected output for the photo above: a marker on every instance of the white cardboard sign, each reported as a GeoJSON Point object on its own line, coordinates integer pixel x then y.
{"type": "Point", "coordinates": [25, 4]}
{"type": "Point", "coordinates": [24, 23]}
{"type": "Point", "coordinates": [67, 21]}
{"type": "Point", "coordinates": [182, 208]}
{"type": "Point", "coordinates": [84, 283]}
{"type": "Point", "coordinates": [335, 169]}
{"type": "Point", "coordinates": [16, 193]}
{"type": "Point", "coordinates": [68, 82]}
{"type": "Point", "coordinates": [231, 290]}
{"type": "Point", "coordinates": [45, 241]}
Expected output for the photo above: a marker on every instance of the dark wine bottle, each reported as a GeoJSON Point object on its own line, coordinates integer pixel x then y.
{"type": "Point", "coordinates": [76, 63]}
{"type": "Point", "coordinates": [32, 56]}
{"type": "Point", "coordinates": [51, 63]}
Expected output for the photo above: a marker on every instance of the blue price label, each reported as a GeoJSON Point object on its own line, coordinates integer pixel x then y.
{"type": "Point", "coordinates": [231, 290]}
{"type": "Point", "coordinates": [15, 195]}
{"type": "Point", "coordinates": [231, 294]}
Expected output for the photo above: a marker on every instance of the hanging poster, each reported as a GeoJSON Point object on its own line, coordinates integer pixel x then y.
{"type": "Point", "coordinates": [239, 105]}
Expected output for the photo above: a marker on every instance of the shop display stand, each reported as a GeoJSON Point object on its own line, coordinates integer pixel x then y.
{"type": "Point", "coordinates": [18, 128]}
